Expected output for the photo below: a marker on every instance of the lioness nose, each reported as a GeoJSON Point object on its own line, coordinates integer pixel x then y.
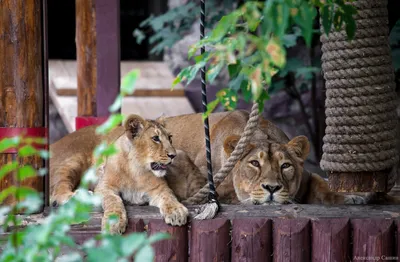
{"type": "Point", "coordinates": [172, 156]}
{"type": "Point", "coordinates": [271, 189]}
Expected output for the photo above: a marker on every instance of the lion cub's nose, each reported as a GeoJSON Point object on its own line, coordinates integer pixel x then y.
{"type": "Point", "coordinates": [271, 189]}
{"type": "Point", "coordinates": [172, 156]}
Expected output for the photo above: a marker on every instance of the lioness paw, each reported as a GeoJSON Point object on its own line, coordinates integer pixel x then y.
{"type": "Point", "coordinates": [175, 214]}
{"type": "Point", "coordinates": [354, 200]}
{"type": "Point", "coordinates": [115, 227]}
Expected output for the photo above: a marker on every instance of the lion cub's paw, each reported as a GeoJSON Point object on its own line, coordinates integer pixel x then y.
{"type": "Point", "coordinates": [175, 214]}
{"type": "Point", "coordinates": [354, 200]}
{"type": "Point", "coordinates": [118, 227]}
{"type": "Point", "coordinates": [61, 199]}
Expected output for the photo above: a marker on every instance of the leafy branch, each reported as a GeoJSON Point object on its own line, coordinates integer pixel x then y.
{"type": "Point", "coordinates": [43, 241]}
{"type": "Point", "coordinates": [251, 42]}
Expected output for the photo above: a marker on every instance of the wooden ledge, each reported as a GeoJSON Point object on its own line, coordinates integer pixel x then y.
{"type": "Point", "coordinates": [279, 211]}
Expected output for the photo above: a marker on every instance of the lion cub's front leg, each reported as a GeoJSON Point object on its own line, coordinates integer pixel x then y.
{"type": "Point", "coordinates": [112, 205]}
{"type": "Point", "coordinates": [171, 209]}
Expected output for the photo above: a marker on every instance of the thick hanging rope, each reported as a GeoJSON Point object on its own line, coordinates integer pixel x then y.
{"type": "Point", "coordinates": [210, 209]}
{"type": "Point", "coordinates": [360, 97]}
{"type": "Point", "coordinates": [251, 126]}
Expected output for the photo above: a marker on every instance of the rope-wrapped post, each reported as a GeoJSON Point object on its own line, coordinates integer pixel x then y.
{"type": "Point", "coordinates": [359, 151]}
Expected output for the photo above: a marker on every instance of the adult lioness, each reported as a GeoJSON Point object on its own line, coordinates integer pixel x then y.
{"type": "Point", "coordinates": [136, 172]}
{"type": "Point", "coordinates": [258, 174]}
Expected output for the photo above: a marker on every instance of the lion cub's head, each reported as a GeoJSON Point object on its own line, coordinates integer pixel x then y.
{"type": "Point", "coordinates": [269, 173]}
{"type": "Point", "coordinates": [152, 143]}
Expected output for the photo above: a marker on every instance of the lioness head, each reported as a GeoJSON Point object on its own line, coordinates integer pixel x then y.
{"type": "Point", "coordinates": [152, 143]}
{"type": "Point", "coordinates": [269, 173]}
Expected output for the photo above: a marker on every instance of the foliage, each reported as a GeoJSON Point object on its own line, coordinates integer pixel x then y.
{"type": "Point", "coordinates": [43, 242]}
{"type": "Point", "coordinates": [251, 43]}
{"type": "Point", "coordinates": [394, 39]}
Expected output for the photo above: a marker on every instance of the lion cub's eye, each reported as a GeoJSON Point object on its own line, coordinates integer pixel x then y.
{"type": "Point", "coordinates": [156, 138]}
{"type": "Point", "coordinates": [255, 163]}
{"type": "Point", "coordinates": [285, 165]}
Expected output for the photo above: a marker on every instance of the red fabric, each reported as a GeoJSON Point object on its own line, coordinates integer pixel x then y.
{"type": "Point", "coordinates": [9, 132]}
{"type": "Point", "coordinates": [84, 121]}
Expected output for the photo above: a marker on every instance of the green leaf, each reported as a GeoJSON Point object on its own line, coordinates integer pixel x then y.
{"type": "Point", "coordinates": [350, 28]}
{"type": "Point", "coordinates": [129, 81]}
{"type": "Point", "coordinates": [116, 105]}
{"type": "Point", "coordinates": [112, 122]}
{"type": "Point", "coordinates": [326, 19]}
{"type": "Point", "coordinates": [8, 143]}
{"type": "Point", "coordinates": [210, 108]}
{"type": "Point", "coordinates": [71, 257]}
{"type": "Point", "coordinates": [7, 168]}
{"type": "Point", "coordinates": [213, 72]}
{"type": "Point", "coordinates": [26, 151]}
{"type": "Point", "coordinates": [24, 192]}
{"type": "Point", "coordinates": [158, 237]}
{"type": "Point", "coordinates": [44, 154]}
{"type": "Point", "coordinates": [223, 26]}
{"type": "Point", "coordinates": [6, 192]}
{"type": "Point", "coordinates": [394, 36]}
{"type": "Point", "coordinates": [145, 254]}
{"type": "Point", "coordinates": [25, 172]}
{"type": "Point", "coordinates": [132, 242]}
{"type": "Point", "coordinates": [31, 203]}
{"type": "Point", "coordinates": [139, 35]}
{"type": "Point", "coordinates": [234, 69]}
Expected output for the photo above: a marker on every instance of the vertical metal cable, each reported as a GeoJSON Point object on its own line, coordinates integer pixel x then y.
{"type": "Point", "coordinates": [212, 193]}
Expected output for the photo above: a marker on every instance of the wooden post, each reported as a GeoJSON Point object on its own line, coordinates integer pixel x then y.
{"type": "Point", "coordinates": [21, 82]}
{"type": "Point", "coordinates": [251, 240]}
{"type": "Point", "coordinates": [291, 240]}
{"type": "Point", "coordinates": [331, 240]}
{"type": "Point", "coordinates": [175, 249]}
{"type": "Point", "coordinates": [373, 238]}
{"type": "Point", "coordinates": [210, 240]}
{"type": "Point", "coordinates": [98, 59]}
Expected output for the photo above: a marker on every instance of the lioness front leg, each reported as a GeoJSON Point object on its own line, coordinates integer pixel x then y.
{"type": "Point", "coordinates": [112, 205]}
{"type": "Point", "coordinates": [171, 209]}
{"type": "Point", "coordinates": [343, 199]}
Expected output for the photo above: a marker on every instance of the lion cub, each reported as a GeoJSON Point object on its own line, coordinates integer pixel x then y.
{"type": "Point", "coordinates": [135, 174]}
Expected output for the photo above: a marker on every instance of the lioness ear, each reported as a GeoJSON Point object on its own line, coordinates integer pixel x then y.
{"type": "Point", "coordinates": [301, 146]}
{"type": "Point", "coordinates": [134, 124]}
{"type": "Point", "coordinates": [230, 144]}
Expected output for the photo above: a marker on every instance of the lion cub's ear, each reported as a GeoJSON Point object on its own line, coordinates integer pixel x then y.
{"type": "Point", "coordinates": [134, 124]}
{"type": "Point", "coordinates": [231, 142]}
{"type": "Point", "coordinates": [301, 146]}
{"type": "Point", "coordinates": [161, 119]}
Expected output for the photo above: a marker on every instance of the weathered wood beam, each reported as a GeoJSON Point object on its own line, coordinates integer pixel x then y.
{"type": "Point", "coordinates": [86, 56]}
{"type": "Point", "coordinates": [21, 82]}
{"type": "Point", "coordinates": [98, 57]}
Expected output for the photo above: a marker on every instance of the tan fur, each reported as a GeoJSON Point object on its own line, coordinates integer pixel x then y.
{"type": "Point", "coordinates": [244, 184]}
{"type": "Point", "coordinates": [128, 173]}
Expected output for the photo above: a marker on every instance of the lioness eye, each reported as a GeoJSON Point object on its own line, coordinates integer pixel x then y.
{"type": "Point", "coordinates": [170, 138]}
{"type": "Point", "coordinates": [255, 163]}
{"type": "Point", "coordinates": [156, 138]}
{"type": "Point", "coordinates": [285, 165]}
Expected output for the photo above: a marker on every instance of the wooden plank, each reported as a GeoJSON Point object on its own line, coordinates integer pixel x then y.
{"type": "Point", "coordinates": [285, 211]}
{"type": "Point", "coordinates": [251, 240]}
{"type": "Point", "coordinates": [210, 240]}
{"type": "Point", "coordinates": [372, 238]}
{"type": "Point", "coordinates": [108, 54]}
{"type": "Point", "coordinates": [291, 239]}
{"type": "Point", "coordinates": [175, 249]}
{"type": "Point", "coordinates": [86, 57]}
{"type": "Point", "coordinates": [21, 81]}
{"type": "Point", "coordinates": [155, 78]}
{"type": "Point", "coordinates": [398, 239]}
{"type": "Point", "coordinates": [331, 240]}
{"type": "Point", "coordinates": [359, 181]}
